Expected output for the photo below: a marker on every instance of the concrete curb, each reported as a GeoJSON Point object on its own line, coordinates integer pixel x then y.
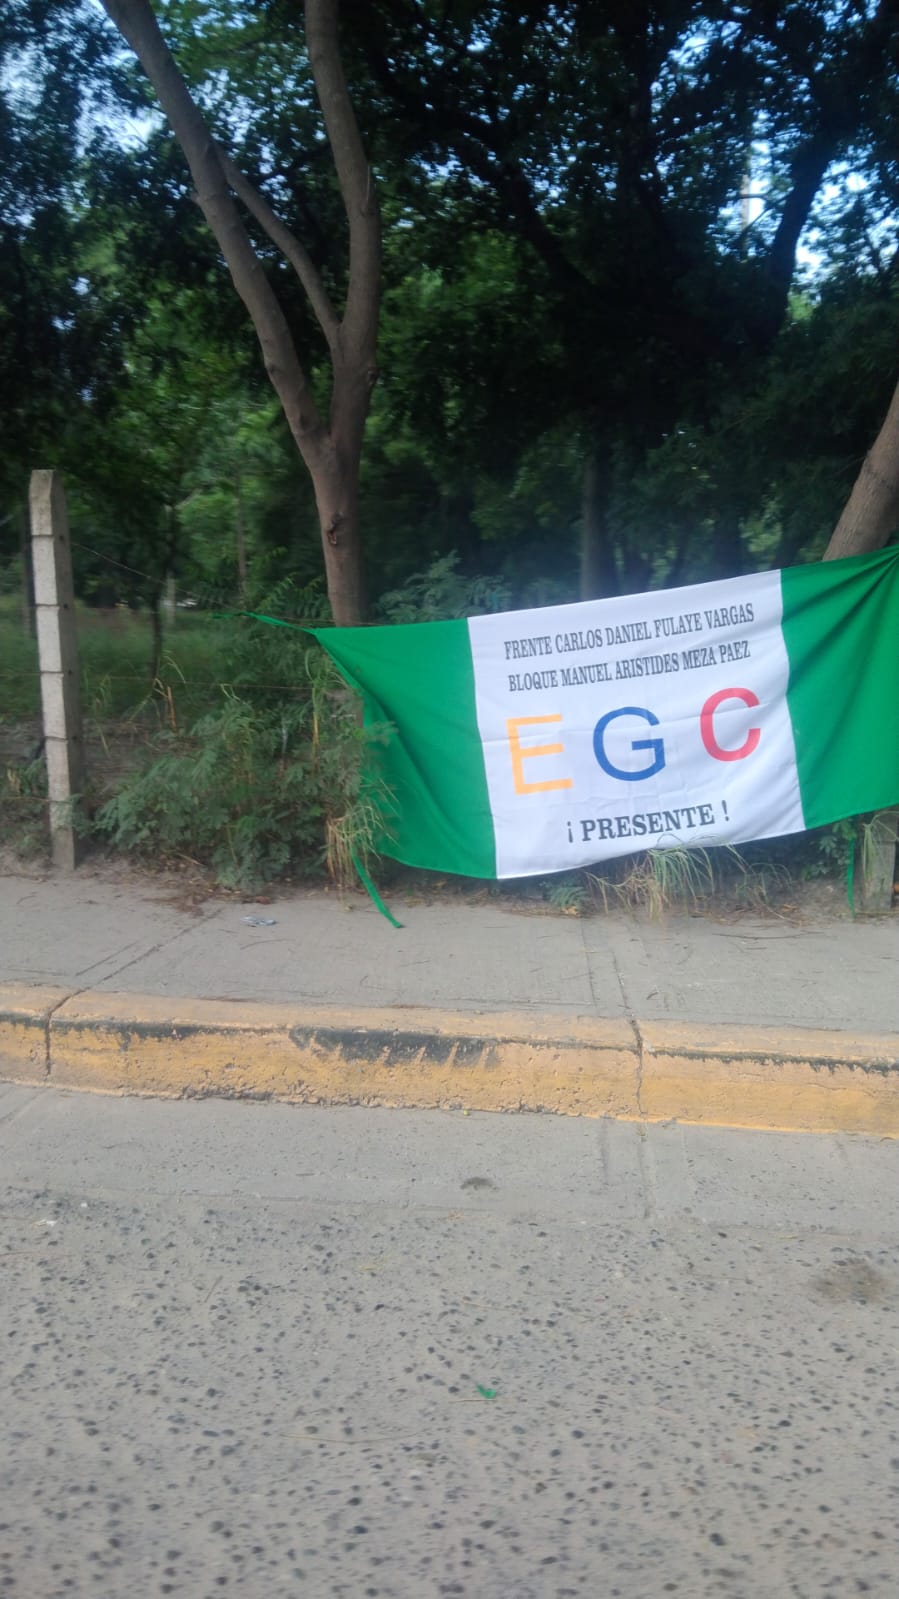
{"type": "Point", "coordinates": [766, 1077]}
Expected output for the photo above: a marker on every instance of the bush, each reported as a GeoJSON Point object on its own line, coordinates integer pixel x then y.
{"type": "Point", "coordinates": [264, 784]}
{"type": "Point", "coordinates": [441, 593]}
{"type": "Point", "coordinates": [23, 807]}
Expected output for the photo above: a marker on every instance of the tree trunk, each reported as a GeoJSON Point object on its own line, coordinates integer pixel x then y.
{"type": "Point", "coordinates": [169, 601]}
{"type": "Point", "coordinates": [241, 536]}
{"type": "Point", "coordinates": [871, 513]}
{"type": "Point", "coordinates": [727, 548]}
{"type": "Point", "coordinates": [599, 574]}
{"type": "Point", "coordinates": [29, 626]}
{"type": "Point", "coordinates": [354, 346]}
{"type": "Point", "coordinates": [156, 635]}
{"type": "Point", "coordinates": [336, 486]}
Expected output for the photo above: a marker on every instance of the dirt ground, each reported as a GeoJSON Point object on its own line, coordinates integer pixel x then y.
{"type": "Point", "coordinates": [795, 900]}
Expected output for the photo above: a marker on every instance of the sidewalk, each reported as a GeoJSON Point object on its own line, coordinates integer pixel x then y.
{"type": "Point", "coordinates": [109, 984]}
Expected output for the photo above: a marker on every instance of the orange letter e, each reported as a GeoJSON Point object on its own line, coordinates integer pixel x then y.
{"type": "Point", "coordinates": [519, 755]}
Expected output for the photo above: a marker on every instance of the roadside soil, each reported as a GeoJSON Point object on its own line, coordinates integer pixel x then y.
{"type": "Point", "coordinates": [765, 894]}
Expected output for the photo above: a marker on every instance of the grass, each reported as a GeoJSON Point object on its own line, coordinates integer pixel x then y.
{"type": "Point", "coordinates": [679, 878]}
{"type": "Point", "coordinates": [241, 754]}
{"type": "Point", "coordinates": [19, 685]}
{"type": "Point", "coordinates": [659, 879]}
{"type": "Point", "coordinates": [124, 708]}
{"type": "Point", "coordinates": [115, 653]}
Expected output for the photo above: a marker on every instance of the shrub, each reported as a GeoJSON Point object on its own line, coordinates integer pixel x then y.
{"type": "Point", "coordinates": [441, 593]}
{"type": "Point", "coordinates": [257, 786]}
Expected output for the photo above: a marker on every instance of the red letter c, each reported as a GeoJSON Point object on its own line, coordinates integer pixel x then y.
{"type": "Point", "coordinates": [707, 725]}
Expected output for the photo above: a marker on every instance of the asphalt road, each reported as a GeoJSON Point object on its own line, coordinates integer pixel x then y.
{"type": "Point", "coordinates": [256, 1349]}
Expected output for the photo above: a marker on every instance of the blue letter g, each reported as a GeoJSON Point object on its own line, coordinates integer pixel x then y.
{"type": "Point", "coordinates": [654, 744]}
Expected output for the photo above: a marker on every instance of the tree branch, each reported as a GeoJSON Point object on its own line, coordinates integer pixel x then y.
{"type": "Point", "coordinates": [484, 147]}
{"type": "Point", "coordinates": [289, 245]}
{"type": "Point", "coordinates": [511, 187]}
{"type": "Point", "coordinates": [807, 171]}
{"type": "Point", "coordinates": [354, 176]}
{"type": "Point", "coordinates": [837, 102]}
{"type": "Point", "coordinates": [137, 23]}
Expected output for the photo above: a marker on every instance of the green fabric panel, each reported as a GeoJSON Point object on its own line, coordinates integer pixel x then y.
{"type": "Point", "coordinates": [419, 678]}
{"type": "Point", "coordinates": [841, 629]}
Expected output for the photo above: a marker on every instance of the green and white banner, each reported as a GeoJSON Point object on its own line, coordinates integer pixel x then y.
{"type": "Point", "coordinates": [535, 741]}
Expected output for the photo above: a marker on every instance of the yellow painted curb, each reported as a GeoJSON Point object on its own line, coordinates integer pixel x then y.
{"type": "Point", "coordinates": [126, 1043]}
{"type": "Point", "coordinates": [25, 1012]}
{"type": "Point", "coordinates": [801, 1079]}
{"type": "Point", "coordinates": [760, 1077]}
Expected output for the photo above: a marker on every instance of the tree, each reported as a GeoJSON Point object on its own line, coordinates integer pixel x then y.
{"type": "Point", "coordinates": [141, 453]}
{"type": "Point", "coordinates": [330, 445]}
{"type": "Point", "coordinates": [871, 514]}
{"type": "Point", "coordinates": [762, 481]}
{"type": "Point", "coordinates": [589, 329]}
{"type": "Point", "coordinates": [613, 138]}
{"type": "Point", "coordinates": [54, 336]}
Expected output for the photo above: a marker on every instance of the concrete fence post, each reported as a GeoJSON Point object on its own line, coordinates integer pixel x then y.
{"type": "Point", "coordinates": [54, 599]}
